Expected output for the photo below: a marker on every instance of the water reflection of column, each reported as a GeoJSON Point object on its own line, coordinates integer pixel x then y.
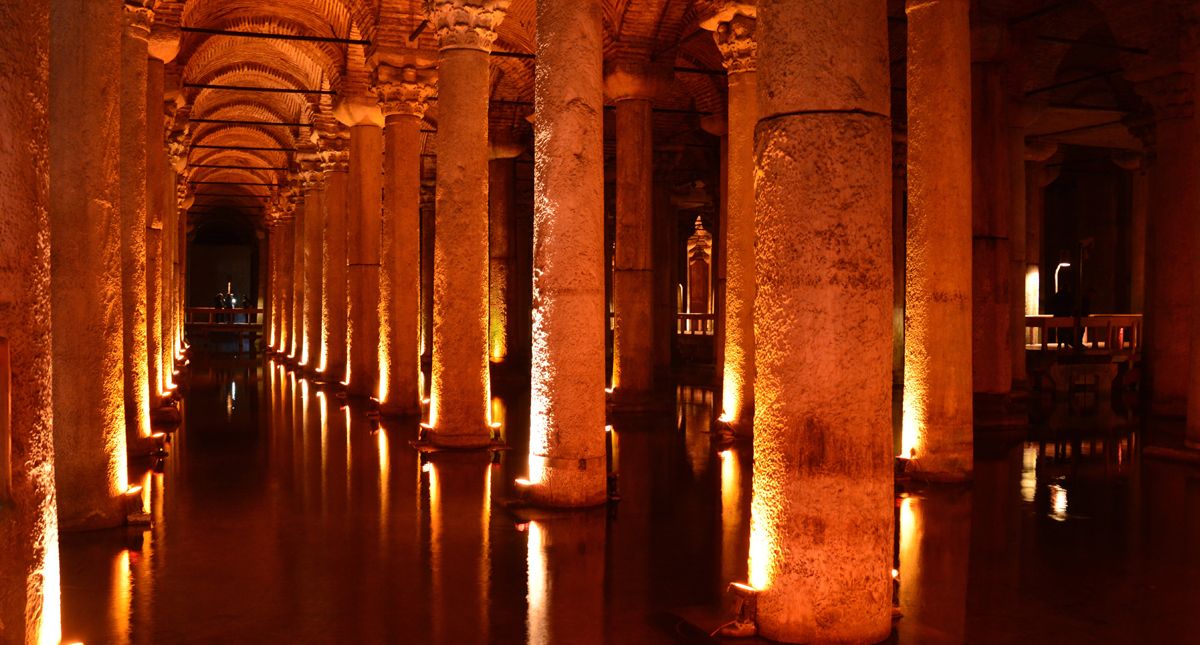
{"type": "Point", "coordinates": [566, 579]}
{"type": "Point", "coordinates": [459, 549]}
{"type": "Point", "coordinates": [935, 542]}
{"type": "Point", "coordinates": [734, 516]}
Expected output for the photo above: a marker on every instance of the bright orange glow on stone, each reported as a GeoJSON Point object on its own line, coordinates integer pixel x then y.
{"type": "Point", "coordinates": [50, 629]}
{"type": "Point", "coordinates": [536, 618]}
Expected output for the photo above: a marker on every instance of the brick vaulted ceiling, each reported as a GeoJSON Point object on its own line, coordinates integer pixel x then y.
{"type": "Point", "coordinates": [1051, 42]}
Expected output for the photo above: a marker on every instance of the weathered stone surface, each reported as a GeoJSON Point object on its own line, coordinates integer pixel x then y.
{"type": "Point", "coordinates": [567, 442]}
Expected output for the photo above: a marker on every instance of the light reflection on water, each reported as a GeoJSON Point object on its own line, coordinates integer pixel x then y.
{"type": "Point", "coordinates": [283, 536]}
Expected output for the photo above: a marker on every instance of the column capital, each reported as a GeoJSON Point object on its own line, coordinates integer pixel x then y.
{"type": "Point", "coordinates": [466, 24]}
{"type": "Point", "coordinates": [403, 90]}
{"type": "Point", "coordinates": [732, 23]}
{"type": "Point", "coordinates": [139, 17]}
{"type": "Point", "coordinates": [310, 175]}
{"type": "Point", "coordinates": [333, 151]}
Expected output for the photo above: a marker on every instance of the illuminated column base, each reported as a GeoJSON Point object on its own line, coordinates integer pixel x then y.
{"type": "Point", "coordinates": [938, 403]}
{"type": "Point", "coordinates": [822, 419]}
{"type": "Point", "coordinates": [567, 456]}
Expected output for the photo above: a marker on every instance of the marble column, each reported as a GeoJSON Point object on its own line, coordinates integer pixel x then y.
{"type": "Point", "coordinates": [155, 169]}
{"type": "Point", "coordinates": [404, 94]}
{"type": "Point", "coordinates": [734, 30]}
{"type": "Point", "coordinates": [632, 85]}
{"type": "Point", "coordinates": [991, 359]}
{"type": "Point", "coordinates": [134, 74]}
{"type": "Point", "coordinates": [459, 405]}
{"type": "Point", "coordinates": [500, 247]}
{"type": "Point", "coordinates": [567, 463]}
{"type": "Point", "coordinates": [313, 242]}
{"type": "Point", "coordinates": [171, 289]}
{"type": "Point", "coordinates": [91, 471]}
{"type": "Point", "coordinates": [822, 416]}
{"type": "Point", "coordinates": [362, 258]}
{"type": "Point", "coordinates": [937, 417]}
{"type": "Point", "coordinates": [284, 211]}
{"type": "Point", "coordinates": [1174, 203]}
{"type": "Point", "coordinates": [29, 571]}
{"type": "Point", "coordinates": [335, 163]}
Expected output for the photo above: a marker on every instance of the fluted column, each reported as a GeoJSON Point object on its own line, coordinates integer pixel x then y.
{"type": "Point", "coordinates": [29, 571]}
{"type": "Point", "coordinates": [734, 31]}
{"type": "Point", "coordinates": [938, 407]}
{"type": "Point", "coordinates": [822, 429]}
{"type": "Point", "coordinates": [632, 85]}
{"type": "Point", "coordinates": [404, 94]}
{"type": "Point", "coordinates": [362, 257]}
{"type": "Point", "coordinates": [566, 436]}
{"type": "Point", "coordinates": [91, 471]}
{"type": "Point", "coordinates": [459, 405]}
{"type": "Point", "coordinates": [335, 163]}
{"type": "Point", "coordinates": [134, 71]}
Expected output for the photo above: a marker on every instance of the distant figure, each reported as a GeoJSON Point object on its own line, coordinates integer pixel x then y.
{"type": "Point", "coordinates": [245, 300]}
{"type": "Point", "coordinates": [219, 303]}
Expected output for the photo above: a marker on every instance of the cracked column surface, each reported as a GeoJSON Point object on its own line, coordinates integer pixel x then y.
{"type": "Point", "coordinates": [403, 97]}
{"type": "Point", "coordinates": [134, 71]}
{"type": "Point", "coordinates": [567, 464]}
{"type": "Point", "coordinates": [631, 86]}
{"type": "Point", "coordinates": [937, 418]}
{"type": "Point", "coordinates": [822, 505]}
{"type": "Point", "coordinates": [335, 163]}
{"type": "Point", "coordinates": [86, 232]}
{"type": "Point", "coordinates": [29, 571]}
{"type": "Point", "coordinates": [458, 413]}
{"type": "Point", "coordinates": [362, 258]}
{"type": "Point", "coordinates": [733, 27]}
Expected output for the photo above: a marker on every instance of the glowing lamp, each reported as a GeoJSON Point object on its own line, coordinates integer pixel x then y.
{"type": "Point", "coordinates": [745, 624]}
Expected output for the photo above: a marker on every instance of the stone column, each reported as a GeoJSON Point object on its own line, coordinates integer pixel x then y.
{"type": "Point", "coordinates": [1174, 203]}
{"type": "Point", "coordinates": [362, 257]}
{"type": "Point", "coordinates": [176, 163]}
{"type": "Point", "coordinates": [335, 163]}
{"type": "Point", "coordinates": [287, 260]}
{"type": "Point", "coordinates": [631, 86]}
{"type": "Point", "coordinates": [300, 212]}
{"type": "Point", "coordinates": [500, 247]}
{"type": "Point", "coordinates": [937, 418]}
{"type": "Point", "coordinates": [822, 405]}
{"type": "Point", "coordinates": [567, 464]}
{"type": "Point", "coordinates": [156, 163]}
{"type": "Point", "coordinates": [1139, 198]}
{"type": "Point", "coordinates": [1021, 116]}
{"type": "Point", "coordinates": [91, 471]}
{"type": "Point", "coordinates": [991, 359]}
{"type": "Point", "coordinates": [734, 27]}
{"type": "Point", "coordinates": [134, 71]}
{"type": "Point", "coordinates": [458, 413]}
{"type": "Point", "coordinates": [403, 96]}
{"type": "Point", "coordinates": [312, 243]}
{"type": "Point", "coordinates": [29, 571]}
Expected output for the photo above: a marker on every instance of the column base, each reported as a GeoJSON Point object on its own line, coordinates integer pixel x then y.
{"type": "Point", "coordinates": [728, 432]}
{"type": "Point", "coordinates": [399, 411]}
{"type": "Point", "coordinates": [430, 440]}
{"type": "Point", "coordinates": [166, 415]}
{"type": "Point", "coordinates": [567, 485]}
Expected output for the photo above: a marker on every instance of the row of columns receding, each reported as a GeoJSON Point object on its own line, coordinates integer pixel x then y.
{"type": "Point", "coordinates": [808, 244]}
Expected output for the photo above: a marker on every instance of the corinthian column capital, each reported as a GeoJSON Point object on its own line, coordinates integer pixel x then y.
{"type": "Point", "coordinates": [466, 24]}
{"type": "Point", "coordinates": [403, 90]}
{"type": "Point", "coordinates": [139, 17]}
{"type": "Point", "coordinates": [732, 24]}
